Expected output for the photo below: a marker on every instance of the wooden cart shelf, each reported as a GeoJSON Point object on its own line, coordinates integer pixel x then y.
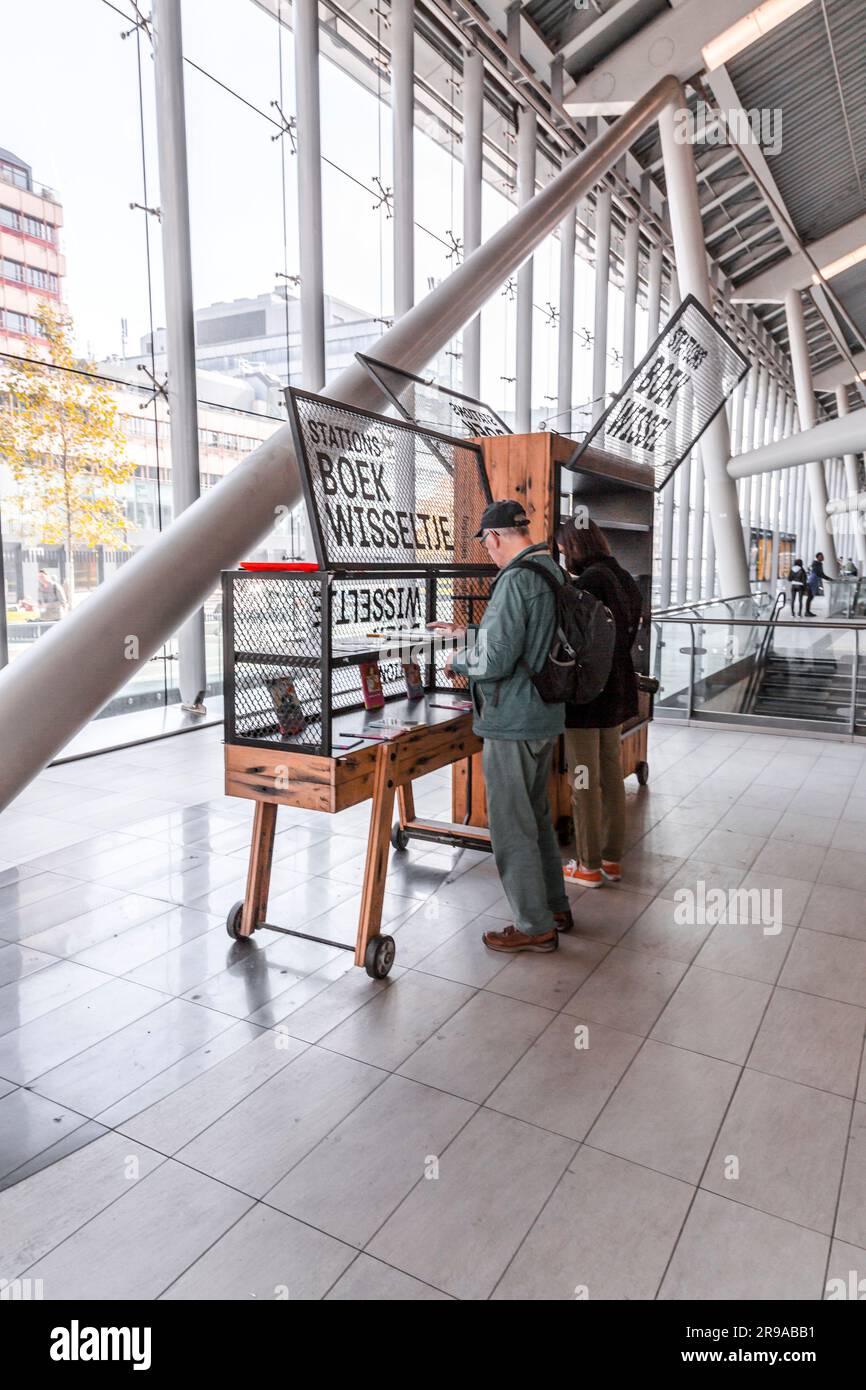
{"type": "Point", "coordinates": [383, 774]}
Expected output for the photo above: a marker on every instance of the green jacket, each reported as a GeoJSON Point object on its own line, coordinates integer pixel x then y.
{"type": "Point", "coordinates": [518, 622]}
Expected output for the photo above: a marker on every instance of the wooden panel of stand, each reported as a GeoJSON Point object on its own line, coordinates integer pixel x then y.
{"type": "Point", "coordinates": [300, 779]}
{"type": "Point", "coordinates": [333, 784]}
{"type": "Point", "coordinates": [521, 466]}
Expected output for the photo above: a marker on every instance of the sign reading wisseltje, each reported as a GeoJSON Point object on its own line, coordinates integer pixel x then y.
{"type": "Point", "coordinates": [672, 396]}
{"type": "Point", "coordinates": [384, 493]}
{"type": "Point", "coordinates": [426, 403]}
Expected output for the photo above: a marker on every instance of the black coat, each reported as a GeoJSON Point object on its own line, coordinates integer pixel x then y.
{"type": "Point", "coordinates": [604, 578]}
{"type": "Point", "coordinates": [798, 577]}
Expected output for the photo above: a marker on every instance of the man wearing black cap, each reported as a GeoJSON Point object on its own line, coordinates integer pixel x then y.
{"type": "Point", "coordinates": [519, 730]}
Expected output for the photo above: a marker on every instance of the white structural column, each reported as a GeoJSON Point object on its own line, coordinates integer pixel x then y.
{"type": "Point", "coordinates": [684, 479]}
{"type": "Point", "coordinates": [776, 490]}
{"type": "Point", "coordinates": [654, 292]}
{"type": "Point", "coordinates": [757, 434]}
{"type": "Point", "coordinates": [734, 408]}
{"type": "Point", "coordinates": [691, 257]}
{"type": "Point", "coordinates": [776, 432]}
{"type": "Point", "coordinates": [806, 405]}
{"type": "Point", "coordinates": [179, 318]}
{"type": "Point", "coordinates": [667, 494]}
{"type": "Point", "coordinates": [602, 282]}
{"type": "Point", "coordinates": [852, 482]}
{"type": "Point", "coordinates": [711, 564]}
{"type": "Point", "coordinates": [698, 529]}
{"type": "Point", "coordinates": [630, 278]}
{"type": "Point", "coordinates": [787, 483]}
{"type": "Point", "coordinates": [526, 138]}
{"type": "Point", "coordinates": [747, 412]}
{"type": "Point", "coordinates": [305, 17]}
{"type": "Point", "coordinates": [769, 436]}
{"type": "Point", "coordinates": [403, 132]}
{"type": "Point", "coordinates": [473, 134]}
{"type": "Point", "coordinates": [565, 345]}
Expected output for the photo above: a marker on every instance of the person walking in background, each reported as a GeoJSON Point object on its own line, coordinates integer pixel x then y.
{"type": "Point", "coordinates": [52, 597]}
{"type": "Point", "coordinates": [815, 581]}
{"type": "Point", "coordinates": [519, 729]}
{"type": "Point", "coordinates": [799, 580]}
{"type": "Point", "coordinates": [592, 731]}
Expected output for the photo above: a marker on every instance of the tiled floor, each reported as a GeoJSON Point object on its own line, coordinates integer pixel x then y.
{"type": "Point", "coordinates": [658, 1110]}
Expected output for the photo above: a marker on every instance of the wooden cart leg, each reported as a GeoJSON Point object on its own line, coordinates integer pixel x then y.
{"type": "Point", "coordinates": [378, 845]}
{"type": "Point", "coordinates": [259, 872]}
{"type": "Point", "coordinates": [405, 804]}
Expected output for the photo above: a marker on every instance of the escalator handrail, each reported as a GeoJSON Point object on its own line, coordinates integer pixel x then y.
{"type": "Point", "coordinates": [762, 654]}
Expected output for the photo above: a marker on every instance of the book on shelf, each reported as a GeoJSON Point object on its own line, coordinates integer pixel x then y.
{"type": "Point", "coordinates": [413, 678]}
{"type": "Point", "coordinates": [290, 712]}
{"type": "Point", "coordinates": [371, 685]}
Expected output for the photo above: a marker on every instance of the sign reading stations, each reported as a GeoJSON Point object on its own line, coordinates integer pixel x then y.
{"type": "Point", "coordinates": [426, 403]}
{"type": "Point", "coordinates": [383, 493]}
{"type": "Point", "coordinates": [672, 396]}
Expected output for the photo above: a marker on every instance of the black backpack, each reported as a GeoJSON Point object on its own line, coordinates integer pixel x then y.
{"type": "Point", "coordinates": [577, 667]}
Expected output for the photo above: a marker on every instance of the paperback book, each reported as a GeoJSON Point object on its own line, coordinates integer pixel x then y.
{"type": "Point", "coordinates": [290, 713]}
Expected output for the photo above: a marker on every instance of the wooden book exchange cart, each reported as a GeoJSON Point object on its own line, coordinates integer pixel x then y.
{"type": "Point", "coordinates": [393, 507]}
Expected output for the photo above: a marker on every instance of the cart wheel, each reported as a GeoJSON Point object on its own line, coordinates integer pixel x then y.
{"type": "Point", "coordinates": [379, 956]}
{"type": "Point", "coordinates": [641, 772]}
{"type": "Point", "coordinates": [399, 837]}
{"type": "Point", "coordinates": [565, 830]}
{"type": "Point", "coordinates": [233, 921]}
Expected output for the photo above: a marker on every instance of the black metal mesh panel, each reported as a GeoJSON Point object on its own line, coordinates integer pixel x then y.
{"type": "Point", "coordinates": [273, 629]}
{"type": "Point", "coordinates": [363, 612]}
{"type": "Point", "coordinates": [381, 492]}
{"type": "Point", "coordinates": [434, 406]}
{"type": "Point", "coordinates": [276, 632]}
{"type": "Point", "coordinates": [673, 395]}
{"type": "Point", "coordinates": [458, 599]}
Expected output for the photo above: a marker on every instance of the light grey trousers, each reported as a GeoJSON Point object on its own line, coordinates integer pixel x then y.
{"type": "Point", "coordinates": [524, 844]}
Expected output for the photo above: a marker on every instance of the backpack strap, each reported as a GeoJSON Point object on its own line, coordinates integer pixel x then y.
{"type": "Point", "coordinates": [633, 628]}
{"type": "Point", "coordinates": [554, 586]}
{"type": "Point", "coordinates": [548, 578]}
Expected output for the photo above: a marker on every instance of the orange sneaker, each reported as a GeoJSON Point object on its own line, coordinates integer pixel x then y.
{"type": "Point", "coordinates": [587, 878]}
{"type": "Point", "coordinates": [611, 870]}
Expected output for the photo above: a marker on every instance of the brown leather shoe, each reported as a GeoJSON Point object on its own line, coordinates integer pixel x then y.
{"type": "Point", "coordinates": [564, 921]}
{"type": "Point", "coordinates": [513, 940]}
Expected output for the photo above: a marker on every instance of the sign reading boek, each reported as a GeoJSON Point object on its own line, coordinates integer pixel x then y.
{"type": "Point", "coordinates": [426, 403]}
{"type": "Point", "coordinates": [383, 492]}
{"type": "Point", "coordinates": [673, 395]}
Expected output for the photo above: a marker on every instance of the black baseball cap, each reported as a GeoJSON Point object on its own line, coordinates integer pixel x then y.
{"type": "Point", "coordinates": [501, 515]}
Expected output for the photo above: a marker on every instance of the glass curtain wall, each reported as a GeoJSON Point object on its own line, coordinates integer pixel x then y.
{"type": "Point", "coordinates": [84, 461]}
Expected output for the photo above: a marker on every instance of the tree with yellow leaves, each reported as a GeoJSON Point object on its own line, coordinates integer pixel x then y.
{"type": "Point", "coordinates": [61, 438]}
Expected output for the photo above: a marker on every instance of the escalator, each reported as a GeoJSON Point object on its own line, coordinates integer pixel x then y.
{"type": "Point", "coordinates": [808, 687]}
{"type": "Point", "coordinates": [758, 665]}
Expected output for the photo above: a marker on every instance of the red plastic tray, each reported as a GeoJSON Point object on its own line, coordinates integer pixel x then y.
{"type": "Point", "coordinates": [306, 565]}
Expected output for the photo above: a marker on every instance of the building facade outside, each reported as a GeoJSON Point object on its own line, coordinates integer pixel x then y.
{"type": "Point", "coordinates": [32, 266]}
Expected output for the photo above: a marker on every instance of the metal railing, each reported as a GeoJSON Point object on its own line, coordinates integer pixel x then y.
{"type": "Point", "coordinates": [759, 664]}
{"type": "Point", "coordinates": [715, 693]}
